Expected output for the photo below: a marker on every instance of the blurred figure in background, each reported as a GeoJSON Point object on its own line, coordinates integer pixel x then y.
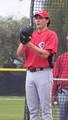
{"type": "Point", "coordinates": [60, 88]}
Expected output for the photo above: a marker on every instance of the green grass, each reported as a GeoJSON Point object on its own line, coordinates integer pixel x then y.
{"type": "Point", "coordinates": [11, 108]}
{"type": "Point", "coordinates": [54, 109]}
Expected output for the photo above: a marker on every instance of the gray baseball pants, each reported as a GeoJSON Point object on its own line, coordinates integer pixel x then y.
{"type": "Point", "coordinates": [38, 93]}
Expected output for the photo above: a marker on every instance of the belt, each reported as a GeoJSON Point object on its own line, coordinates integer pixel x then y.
{"type": "Point", "coordinates": [35, 69]}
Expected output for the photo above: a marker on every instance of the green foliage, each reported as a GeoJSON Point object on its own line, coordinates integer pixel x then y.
{"type": "Point", "coordinates": [9, 37]}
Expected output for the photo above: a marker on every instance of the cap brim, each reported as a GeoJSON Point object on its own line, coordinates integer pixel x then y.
{"type": "Point", "coordinates": [38, 15]}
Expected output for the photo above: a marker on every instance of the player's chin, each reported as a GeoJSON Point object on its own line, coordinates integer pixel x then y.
{"type": "Point", "coordinates": [38, 26]}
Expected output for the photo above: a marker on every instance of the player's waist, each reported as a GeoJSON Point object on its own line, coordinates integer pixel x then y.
{"type": "Point", "coordinates": [31, 69]}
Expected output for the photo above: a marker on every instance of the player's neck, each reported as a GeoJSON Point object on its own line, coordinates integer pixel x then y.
{"type": "Point", "coordinates": [42, 29]}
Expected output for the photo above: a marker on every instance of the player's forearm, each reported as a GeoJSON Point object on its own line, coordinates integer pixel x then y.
{"type": "Point", "coordinates": [20, 50]}
{"type": "Point", "coordinates": [41, 52]}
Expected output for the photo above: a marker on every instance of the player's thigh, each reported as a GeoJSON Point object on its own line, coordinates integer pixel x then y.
{"type": "Point", "coordinates": [31, 92]}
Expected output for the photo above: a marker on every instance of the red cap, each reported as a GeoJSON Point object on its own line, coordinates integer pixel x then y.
{"type": "Point", "coordinates": [42, 13]}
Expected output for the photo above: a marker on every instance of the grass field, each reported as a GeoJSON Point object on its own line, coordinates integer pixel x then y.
{"type": "Point", "coordinates": [54, 112]}
{"type": "Point", "coordinates": [11, 108]}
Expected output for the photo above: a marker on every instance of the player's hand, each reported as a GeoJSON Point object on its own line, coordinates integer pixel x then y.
{"type": "Point", "coordinates": [54, 100]}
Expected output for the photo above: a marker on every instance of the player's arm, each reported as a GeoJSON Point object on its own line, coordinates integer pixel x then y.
{"type": "Point", "coordinates": [56, 72]}
{"type": "Point", "coordinates": [41, 52]}
{"type": "Point", "coordinates": [21, 49]}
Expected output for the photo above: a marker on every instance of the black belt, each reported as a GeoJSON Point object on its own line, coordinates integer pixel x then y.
{"type": "Point", "coordinates": [35, 69]}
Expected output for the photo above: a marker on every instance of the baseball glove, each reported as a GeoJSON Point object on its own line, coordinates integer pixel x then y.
{"type": "Point", "coordinates": [25, 33]}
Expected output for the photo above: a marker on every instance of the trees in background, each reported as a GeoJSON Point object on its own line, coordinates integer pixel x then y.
{"type": "Point", "coordinates": [9, 37]}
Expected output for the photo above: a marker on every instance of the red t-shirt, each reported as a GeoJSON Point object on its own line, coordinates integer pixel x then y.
{"type": "Point", "coordinates": [46, 40]}
{"type": "Point", "coordinates": [60, 70]}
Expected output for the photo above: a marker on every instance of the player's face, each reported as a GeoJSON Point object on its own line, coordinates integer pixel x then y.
{"type": "Point", "coordinates": [41, 22]}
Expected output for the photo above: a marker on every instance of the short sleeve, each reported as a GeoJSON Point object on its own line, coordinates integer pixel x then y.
{"type": "Point", "coordinates": [52, 43]}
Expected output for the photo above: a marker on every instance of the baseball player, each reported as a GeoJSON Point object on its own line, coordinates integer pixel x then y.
{"type": "Point", "coordinates": [60, 88]}
{"type": "Point", "coordinates": [39, 51]}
